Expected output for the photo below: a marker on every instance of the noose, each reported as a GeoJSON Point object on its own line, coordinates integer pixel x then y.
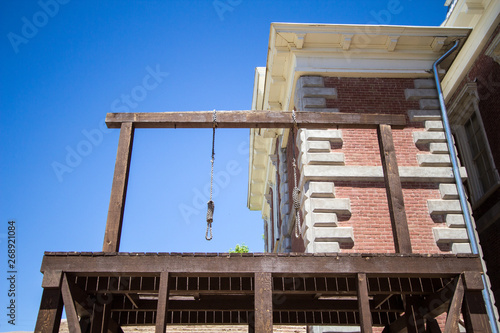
{"type": "Point", "coordinates": [210, 203]}
{"type": "Point", "coordinates": [296, 191]}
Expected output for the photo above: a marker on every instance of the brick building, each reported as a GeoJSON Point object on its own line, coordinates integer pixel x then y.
{"type": "Point", "coordinates": [383, 70]}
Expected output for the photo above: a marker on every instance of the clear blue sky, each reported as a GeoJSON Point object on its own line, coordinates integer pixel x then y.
{"type": "Point", "coordinates": [64, 67]}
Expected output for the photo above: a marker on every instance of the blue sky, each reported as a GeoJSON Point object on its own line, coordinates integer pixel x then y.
{"type": "Point", "coordinates": [65, 64]}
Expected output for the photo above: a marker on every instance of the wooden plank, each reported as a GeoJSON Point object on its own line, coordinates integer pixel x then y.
{"type": "Point", "coordinates": [263, 303]}
{"type": "Point", "coordinates": [474, 312]}
{"type": "Point", "coordinates": [387, 266]}
{"type": "Point", "coordinates": [119, 189]}
{"type": "Point", "coordinates": [49, 315]}
{"type": "Point", "coordinates": [455, 307]}
{"type": "Point", "coordinates": [97, 319]}
{"type": "Point", "coordinates": [250, 119]}
{"type": "Point", "coordinates": [162, 307]}
{"type": "Point", "coordinates": [365, 315]}
{"type": "Point", "coordinates": [394, 190]}
{"type": "Point", "coordinates": [69, 305]}
{"type": "Point", "coordinates": [414, 318]}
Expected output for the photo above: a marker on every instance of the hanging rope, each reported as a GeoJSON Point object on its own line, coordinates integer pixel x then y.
{"type": "Point", "coordinates": [296, 191]}
{"type": "Point", "coordinates": [210, 203]}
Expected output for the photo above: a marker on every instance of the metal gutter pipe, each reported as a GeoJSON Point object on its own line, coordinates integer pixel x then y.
{"type": "Point", "coordinates": [460, 187]}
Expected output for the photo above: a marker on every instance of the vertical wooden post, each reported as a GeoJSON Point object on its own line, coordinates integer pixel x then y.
{"type": "Point", "coordinates": [473, 307]}
{"type": "Point", "coordinates": [455, 307]}
{"type": "Point", "coordinates": [119, 189]}
{"type": "Point", "coordinates": [69, 305]}
{"type": "Point", "coordinates": [51, 305]}
{"type": "Point", "coordinates": [263, 303]}
{"type": "Point", "coordinates": [394, 190]}
{"type": "Point", "coordinates": [162, 307]}
{"type": "Point", "coordinates": [365, 315]}
{"type": "Point", "coordinates": [49, 316]}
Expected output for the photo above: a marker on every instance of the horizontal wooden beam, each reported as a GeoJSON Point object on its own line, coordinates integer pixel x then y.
{"type": "Point", "coordinates": [386, 265]}
{"type": "Point", "coordinates": [251, 119]}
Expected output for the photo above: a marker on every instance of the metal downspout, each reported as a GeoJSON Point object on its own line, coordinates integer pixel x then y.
{"type": "Point", "coordinates": [460, 187]}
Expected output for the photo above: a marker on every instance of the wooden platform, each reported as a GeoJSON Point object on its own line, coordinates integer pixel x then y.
{"type": "Point", "coordinates": [254, 289]}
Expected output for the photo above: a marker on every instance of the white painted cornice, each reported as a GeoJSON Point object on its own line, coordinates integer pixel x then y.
{"type": "Point", "coordinates": [483, 23]}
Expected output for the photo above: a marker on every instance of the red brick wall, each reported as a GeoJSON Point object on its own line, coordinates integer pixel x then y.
{"type": "Point", "coordinates": [371, 95]}
{"type": "Point", "coordinates": [369, 208]}
{"type": "Point", "coordinates": [371, 222]}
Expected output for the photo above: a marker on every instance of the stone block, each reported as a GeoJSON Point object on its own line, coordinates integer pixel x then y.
{"type": "Point", "coordinates": [318, 146]}
{"type": "Point", "coordinates": [444, 207]}
{"type": "Point", "coordinates": [310, 81]}
{"type": "Point", "coordinates": [448, 191]}
{"type": "Point", "coordinates": [323, 159]}
{"type": "Point", "coordinates": [334, 234]}
{"type": "Point", "coordinates": [313, 102]}
{"type": "Point", "coordinates": [323, 135]}
{"type": "Point", "coordinates": [327, 247]}
{"type": "Point", "coordinates": [438, 148]}
{"type": "Point", "coordinates": [458, 248]}
{"type": "Point", "coordinates": [422, 115]}
{"type": "Point", "coordinates": [418, 94]}
{"type": "Point", "coordinates": [324, 205]}
{"type": "Point", "coordinates": [434, 125]}
{"type": "Point", "coordinates": [429, 104]}
{"type": "Point", "coordinates": [318, 92]}
{"type": "Point", "coordinates": [424, 83]}
{"type": "Point", "coordinates": [433, 160]}
{"type": "Point", "coordinates": [455, 221]}
{"type": "Point", "coordinates": [320, 190]}
{"type": "Point", "coordinates": [334, 173]}
{"type": "Point", "coordinates": [450, 235]}
{"type": "Point", "coordinates": [422, 137]}
{"type": "Point", "coordinates": [324, 219]}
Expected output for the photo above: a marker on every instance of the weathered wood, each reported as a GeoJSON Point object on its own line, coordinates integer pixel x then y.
{"type": "Point", "coordinates": [52, 279]}
{"type": "Point", "coordinates": [414, 318]}
{"type": "Point", "coordinates": [394, 190]}
{"type": "Point", "coordinates": [49, 315]}
{"type": "Point", "coordinates": [386, 265]}
{"type": "Point", "coordinates": [263, 303]}
{"type": "Point", "coordinates": [162, 307]}
{"type": "Point", "coordinates": [474, 312]}
{"type": "Point", "coordinates": [107, 322]}
{"type": "Point", "coordinates": [429, 308]}
{"type": "Point", "coordinates": [455, 307]}
{"type": "Point", "coordinates": [119, 189]}
{"type": "Point", "coordinates": [250, 119]}
{"type": "Point", "coordinates": [365, 315]}
{"type": "Point", "coordinates": [69, 305]}
{"type": "Point", "coordinates": [97, 318]}
{"type": "Point", "coordinates": [473, 280]}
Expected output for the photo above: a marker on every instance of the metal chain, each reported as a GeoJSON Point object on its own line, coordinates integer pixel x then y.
{"type": "Point", "coordinates": [296, 191]}
{"type": "Point", "coordinates": [210, 203]}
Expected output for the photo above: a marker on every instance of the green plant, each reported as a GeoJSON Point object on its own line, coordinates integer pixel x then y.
{"type": "Point", "coordinates": [240, 249]}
